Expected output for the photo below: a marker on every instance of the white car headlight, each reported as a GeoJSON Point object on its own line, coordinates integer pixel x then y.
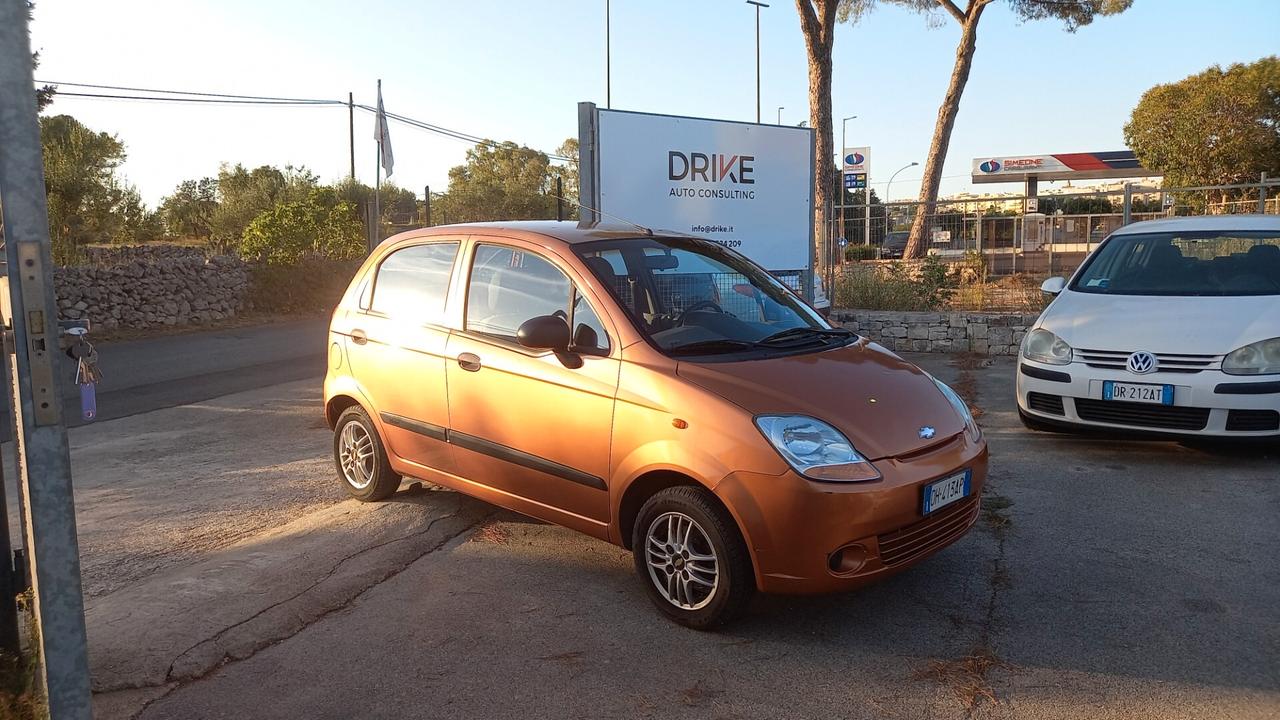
{"type": "Point", "coordinates": [1043, 346]}
{"type": "Point", "coordinates": [1260, 358]}
{"type": "Point", "coordinates": [962, 409]}
{"type": "Point", "coordinates": [815, 449]}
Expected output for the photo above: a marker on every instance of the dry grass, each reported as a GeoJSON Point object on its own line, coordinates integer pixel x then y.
{"type": "Point", "coordinates": [1012, 293]}
{"type": "Point", "coordinates": [19, 694]}
{"type": "Point", "coordinates": [966, 676]}
{"type": "Point", "coordinates": [870, 288]}
{"type": "Point", "coordinates": [18, 697]}
{"type": "Point", "coordinates": [966, 384]}
{"type": "Point", "coordinates": [993, 513]}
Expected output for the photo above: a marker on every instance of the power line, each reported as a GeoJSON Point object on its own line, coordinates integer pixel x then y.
{"type": "Point", "coordinates": [474, 139]}
{"type": "Point", "coordinates": [192, 96]}
{"type": "Point", "coordinates": [185, 92]}
{"type": "Point", "coordinates": [224, 101]}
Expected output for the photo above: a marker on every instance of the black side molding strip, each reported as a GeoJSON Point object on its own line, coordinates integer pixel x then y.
{"type": "Point", "coordinates": [524, 459]}
{"type": "Point", "coordinates": [1247, 388]}
{"type": "Point", "coordinates": [434, 432]}
{"type": "Point", "coordinates": [1042, 374]}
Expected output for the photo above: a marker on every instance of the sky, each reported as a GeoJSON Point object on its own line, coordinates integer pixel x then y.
{"type": "Point", "coordinates": [515, 70]}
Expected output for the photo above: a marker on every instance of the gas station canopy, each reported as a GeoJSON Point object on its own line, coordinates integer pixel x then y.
{"type": "Point", "coordinates": [1060, 166]}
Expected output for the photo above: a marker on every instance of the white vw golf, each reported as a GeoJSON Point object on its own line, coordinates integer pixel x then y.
{"type": "Point", "coordinates": [1170, 326]}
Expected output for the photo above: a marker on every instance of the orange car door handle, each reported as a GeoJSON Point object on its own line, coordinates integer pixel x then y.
{"type": "Point", "coordinates": [359, 336]}
{"type": "Point", "coordinates": [469, 362]}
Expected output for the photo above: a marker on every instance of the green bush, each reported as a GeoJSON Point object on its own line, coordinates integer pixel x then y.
{"type": "Point", "coordinates": [896, 286]}
{"type": "Point", "coordinates": [854, 253]}
{"type": "Point", "coordinates": [872, 289]}
{"type": "Point", "coordinates": [310, 284]}
{"type": "Point", "coordinates": [934, 280]}
{"type": "Point", "coordinates": [288, 231]}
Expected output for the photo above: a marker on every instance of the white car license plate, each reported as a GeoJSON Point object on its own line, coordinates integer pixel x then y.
{"type": "Point", "coordinates": [940, 493]}
{"type": "Point", "coordinates": [1137, 392]}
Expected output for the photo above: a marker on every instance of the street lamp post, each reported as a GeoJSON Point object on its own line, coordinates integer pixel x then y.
{"type": "Point", "coordinates": [608, 57]}
{"type": "Point", "coordinates": [844, 124]}
{"type": "Point", "coordinates": [758, 6]}
{"type": "Point", "coordinates": [780, 109]}
{"type": "Point", "coordinates": [890, 185]}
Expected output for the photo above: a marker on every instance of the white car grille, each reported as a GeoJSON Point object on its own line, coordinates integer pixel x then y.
{"type": "Point", "coordinates": [1168, 362]}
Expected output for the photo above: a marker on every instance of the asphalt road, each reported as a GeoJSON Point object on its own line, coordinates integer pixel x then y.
{"type": "Point", "coordinates": [143, 375]}
{"type": "Point", "coordinates": [1106, 579]}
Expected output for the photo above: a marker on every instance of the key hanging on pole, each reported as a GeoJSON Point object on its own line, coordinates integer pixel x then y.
{"type": "Point", "coordinates": [87, 374]}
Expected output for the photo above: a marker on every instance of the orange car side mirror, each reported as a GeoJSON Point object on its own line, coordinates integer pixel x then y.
{"type": "Point", "coordinates": [545, 332]}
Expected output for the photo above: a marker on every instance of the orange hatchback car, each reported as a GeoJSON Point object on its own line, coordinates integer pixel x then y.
{"type": "Point", "coordinates": [658, 392]}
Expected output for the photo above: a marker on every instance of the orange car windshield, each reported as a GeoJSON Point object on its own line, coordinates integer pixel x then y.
{"type": "Point", "coordinates": [693, 297]}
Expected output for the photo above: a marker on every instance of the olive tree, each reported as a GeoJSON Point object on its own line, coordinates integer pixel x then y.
{"type": "Point", "coordinates": [1215, 127]}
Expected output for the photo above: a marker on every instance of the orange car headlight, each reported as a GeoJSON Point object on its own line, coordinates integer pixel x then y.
{"type": "Point", "coordinates": [815, 449]}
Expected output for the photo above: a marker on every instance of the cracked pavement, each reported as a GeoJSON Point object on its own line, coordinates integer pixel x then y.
{"type": "Point", "coordinates": [1106, 580]}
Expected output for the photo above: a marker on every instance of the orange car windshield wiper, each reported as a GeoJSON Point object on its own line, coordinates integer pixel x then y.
{"type": "Point", "coordinates": [792, 335]}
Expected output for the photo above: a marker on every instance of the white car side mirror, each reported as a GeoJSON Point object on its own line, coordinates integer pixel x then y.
{"type": "Point", "coordinates": [1053, 285]}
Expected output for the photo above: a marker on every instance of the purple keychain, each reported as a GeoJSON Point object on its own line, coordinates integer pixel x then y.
{"type": "Point", "coordinates": [88, 401]}
{"type": "Point", "coordinates": [87, 374]}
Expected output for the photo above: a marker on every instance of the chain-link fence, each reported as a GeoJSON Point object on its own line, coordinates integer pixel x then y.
{"type": "Point", "coordinates": [1053, 233]}
{"type": "Point", "coordinates": [1009, 241]}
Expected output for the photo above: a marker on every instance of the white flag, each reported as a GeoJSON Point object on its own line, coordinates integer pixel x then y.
{"type": "Point", "coordinates": [383, 136]}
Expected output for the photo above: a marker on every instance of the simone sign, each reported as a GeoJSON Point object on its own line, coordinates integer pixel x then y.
{"type": "Point", "coordinates": [746, 186]}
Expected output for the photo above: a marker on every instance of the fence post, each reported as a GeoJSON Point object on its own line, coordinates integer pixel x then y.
{"type": "Point", "coordinates": [1128, 204]}
{"type": "Point", "coordinates": [44, 457]}
{"type": "Point", "coordinates": [1262, 194]}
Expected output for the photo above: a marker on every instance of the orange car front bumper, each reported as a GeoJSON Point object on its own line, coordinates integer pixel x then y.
{"type": "Point", "coordinates": [814, 537]}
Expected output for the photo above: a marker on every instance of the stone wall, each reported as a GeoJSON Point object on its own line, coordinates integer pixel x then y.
{"type": "Point", "coordinates": [983, 333]}
{"type": "Point", "coordinates": [149, 286]}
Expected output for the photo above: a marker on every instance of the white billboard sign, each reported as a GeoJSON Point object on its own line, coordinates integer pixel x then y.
{"type": "Point", "coordinates": [857, 159]}
{"type": "Point", "coordinates": [743, 185]}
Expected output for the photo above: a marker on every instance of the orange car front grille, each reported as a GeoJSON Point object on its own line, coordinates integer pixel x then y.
{"type": "Point", "coordinates": [936, 531]}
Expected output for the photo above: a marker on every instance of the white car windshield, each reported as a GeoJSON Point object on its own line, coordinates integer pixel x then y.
{"type": "Point", "coordinates": [1202, 263]}
{"type": "Point", "coordinates": [693, 297]}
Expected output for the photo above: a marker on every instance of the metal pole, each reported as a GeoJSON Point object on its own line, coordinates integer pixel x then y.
{"type": "Point", "coordinates": [1262, 194]}
{"type": "Point", "coordinates": [426, 205]}
{"type": "Point", "coordinates": [844, 124]}
{"type": "Point", "coordinates": [758, 6]}
{"type": "Point", "coordinates": [889, 186]}
{"type": "Point", "coordinates": [589, 163]}
{"type": "Point", "coordinates": [1128, 203]}
{"type": "Point", "coordinates": [377, 185]}
{"type": "Point", "coordinates": [866, 195]}
{"type": "Point", "coordinates": [757, 63]}
{"type": "Point", "coordinates": [8, 573]}
{"type": "Point", "coordinates": [780, 109]}
{"type": "Point", "coordinates": [608, 58]}
{"type": "Point", "coordinates": [45, 465]}
{"type": "Point", "coordinates": [559, 199]}
{"type": "Point", "coordinates": [351, 129]}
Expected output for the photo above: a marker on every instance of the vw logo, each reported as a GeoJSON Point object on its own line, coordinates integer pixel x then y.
{"type": "Point", "coordinates": [990, 166]}
{"type": "Point", "coordinates": [1142, 362]}
{"type": "Point", "coordinates": [927, 432]}
{"type": "Point", "coordinates": [854, 159]}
